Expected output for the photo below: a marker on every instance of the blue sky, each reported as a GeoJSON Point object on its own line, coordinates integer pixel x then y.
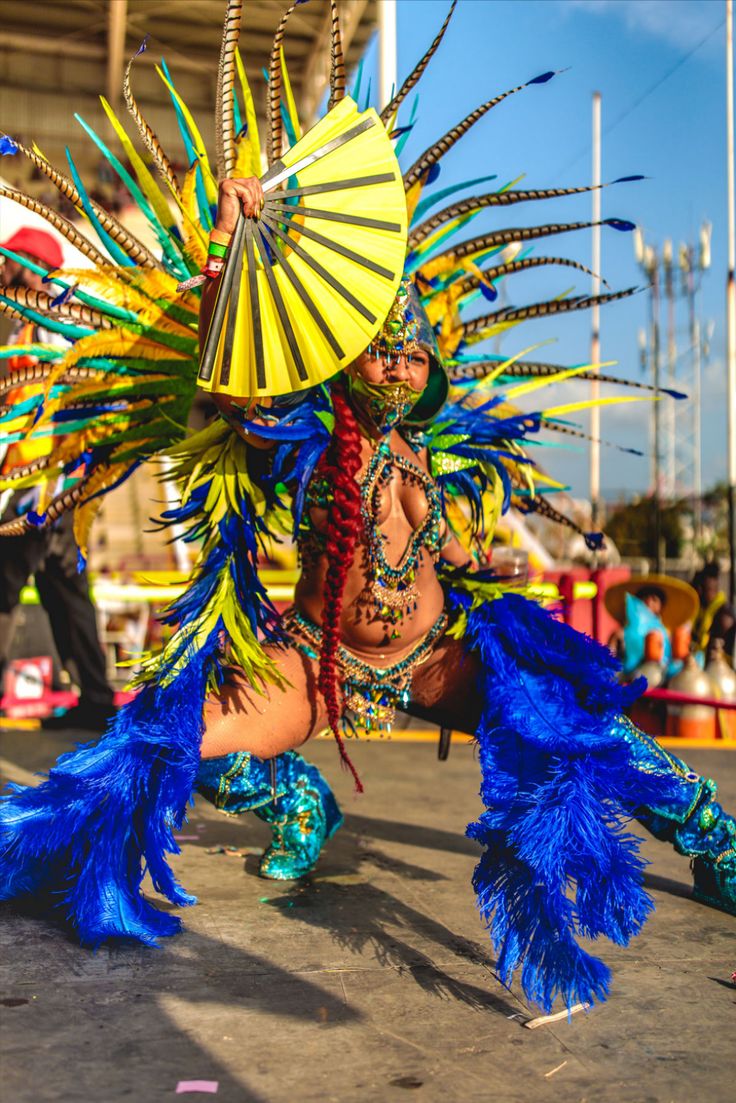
{"type": "Point", "coordinates": [675, 136]}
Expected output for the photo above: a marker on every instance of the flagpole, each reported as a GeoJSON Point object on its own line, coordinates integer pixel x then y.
{"type": "Point", "coordinates": [595, 338]}
{"type": "Point", "coordinates": [731, 304]}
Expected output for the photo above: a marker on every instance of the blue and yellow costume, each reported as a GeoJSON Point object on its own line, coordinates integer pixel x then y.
{"type": "Point", "coordinates": [562, 769]}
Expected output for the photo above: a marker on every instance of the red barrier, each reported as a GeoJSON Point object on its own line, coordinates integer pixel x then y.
{"type": "Point", "coordinates": [587, 614]}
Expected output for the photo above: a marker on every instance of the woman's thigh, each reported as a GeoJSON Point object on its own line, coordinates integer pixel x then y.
{"type": "Point", "coordinates": [446, 689]}
{"type": "Point", "coordinates": [269, 722]}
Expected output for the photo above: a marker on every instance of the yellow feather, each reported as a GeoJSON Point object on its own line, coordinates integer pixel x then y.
{"type": "Point", "coordinates": [289, 97]}
{"type": "Point", "coordinates": [195, 240]}
{"type": "Point", "coordinates": [255, 168]}
{"type": "Point", "coordinates": [512, 360]}
{"type": "Point", "coordinates": [571, 407]}
{"type": "Point", "coordinates": [159, 285]}
{"type": "Point", "coordinates": [152, 315]}
{"type": "Point", "coordinates": [111, 343]}
{"type": "Point", "coordinates": [86, 511]}
{"type": "Point", "coordinates": [145, 179]}
{"type": "Point", "coordinates": [412, 198]}
{"type": "Point", "coordinates": [92, 388]}
{"type": "Point", "coordinates": [107, 283]}
{"type": "Point", "coordinates": [210, 184]}
{"type": "Point", "coordinates": [138, 295]}
{"type": "Point", "coordinates": [243, 157]}
{"type": "Point", "coordinates": [547, 380]}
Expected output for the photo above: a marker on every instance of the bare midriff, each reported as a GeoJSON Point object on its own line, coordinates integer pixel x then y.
{"type": "Point", "coordinates": [402, 509]}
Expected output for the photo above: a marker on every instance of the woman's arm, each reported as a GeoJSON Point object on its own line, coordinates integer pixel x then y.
{"type": "Point", "coordinates": [454, 553]}
{"type": "Point", "coordinates": [234, 410]}
{"type": "Point", "coordinates": [234, 194]}
{"type": "Point", "coordinates": [245, 193]}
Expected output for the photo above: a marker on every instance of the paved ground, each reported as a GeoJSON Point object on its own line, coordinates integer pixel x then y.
{"type": "Point", "coordinates": [371, 981]}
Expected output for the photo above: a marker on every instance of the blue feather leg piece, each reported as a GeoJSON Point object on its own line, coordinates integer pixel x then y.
{"type": "Point", "coordinates": [83, 839]}
{"type": "Point", "coordinates": [559, 784]}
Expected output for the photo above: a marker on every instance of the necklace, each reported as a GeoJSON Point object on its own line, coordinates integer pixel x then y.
{"type": "Point", "coordinates": [393, 589]}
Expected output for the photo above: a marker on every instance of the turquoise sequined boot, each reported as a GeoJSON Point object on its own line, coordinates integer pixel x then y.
{"type": "Point", "coordinates": [691, 819]}
{"type": "Point", "coordinates": [287, 793]}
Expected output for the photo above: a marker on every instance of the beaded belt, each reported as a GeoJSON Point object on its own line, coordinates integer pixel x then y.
{"type": "Point", "coordinates": [372, 694]}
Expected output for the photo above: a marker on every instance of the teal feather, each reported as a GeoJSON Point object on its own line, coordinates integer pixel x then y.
{"type": "Point", "coordinates": [39, 352]}
{"type": "Point", "coordinates": [407, 132]}
{"type": "Point", "coordinates": [237, 117]}
{"type": "Point", "coordinates": [431, 200]}
{"type": "Point", "coordinates": [205, 214]}
{"type": "Point", "coordinates": [71, 332]}
{"type": "Point", "coordinates": [415, 260]}
{"type": "Point", "coordinates": [355, 93]}
{"type": "Point", "coordinates": [117, 254]}
{"type": "Point", "coordinates": [367, 100]}
{"type": "Point", "coordinates": [89, 300]}
{"type": "Point", "coordinates": [164, 238]}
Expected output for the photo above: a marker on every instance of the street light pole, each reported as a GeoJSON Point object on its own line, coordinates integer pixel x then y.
{"type": "Point", "coordinates": [648, 261]}
{"type": "Point", "coordinates": [653, 267]}
{"type": "Point", "coordinates": [670, 478]}
{"type": "Point", "coordinates": [694, 262]}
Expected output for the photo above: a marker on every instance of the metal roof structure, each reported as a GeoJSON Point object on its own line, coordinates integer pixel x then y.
{"type": "Point", "coordinates": [57, 56]}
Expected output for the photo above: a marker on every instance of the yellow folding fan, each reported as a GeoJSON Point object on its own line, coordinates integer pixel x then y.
{"type": "Point", "coordinates": [308, 284]}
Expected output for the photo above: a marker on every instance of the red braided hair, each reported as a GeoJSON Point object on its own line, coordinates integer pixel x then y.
{"type": "Point", "coordinates": [340, 463]}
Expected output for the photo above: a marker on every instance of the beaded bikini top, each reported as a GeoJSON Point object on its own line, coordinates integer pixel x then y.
{"type": "Point", "coordinates": [392, 588]}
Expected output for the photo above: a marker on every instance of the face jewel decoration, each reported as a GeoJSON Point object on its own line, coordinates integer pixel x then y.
{"type": "Point", "coordinates": [399, 335]}
{"type": "Point", "coordinates": [386, 404]}
{"type": "Point", "coordinates": [407, 327]}
{"type": "Point", "coordinates": [405, 330]}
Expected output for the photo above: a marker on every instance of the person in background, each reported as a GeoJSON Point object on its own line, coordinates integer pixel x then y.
{"type": "Point", "coordinates": [716, 619]}
{"type": "Point", "coordinates": [48, 554]}
{"type": "Point", "coordinates": [656, 603]}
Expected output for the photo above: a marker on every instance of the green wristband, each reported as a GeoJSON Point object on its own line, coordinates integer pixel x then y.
{"type": "Point", "coordinates": [217, 250]}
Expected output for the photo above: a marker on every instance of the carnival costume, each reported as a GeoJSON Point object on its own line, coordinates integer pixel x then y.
{"type": "Point", "coordinates": [342, 258]}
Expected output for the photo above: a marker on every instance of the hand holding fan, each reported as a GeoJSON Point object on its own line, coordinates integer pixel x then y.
{"type": "Point", "coordinates": [308, 285]}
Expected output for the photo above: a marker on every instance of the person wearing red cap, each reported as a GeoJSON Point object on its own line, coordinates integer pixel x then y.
{"type": "Point", "coordinates": [50, 555]}
{"type": "Point", "coordinates": [36, 244]}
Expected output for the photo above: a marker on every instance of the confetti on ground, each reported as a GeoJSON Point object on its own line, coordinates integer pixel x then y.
{"type": "Point", "coordinates": [557, 1068]}
{"type": "Point", "coordinates": [543, 1020]}
{"type": "Point", "coordinates": [205, 1087]}
{"type": "Point", "coordinates": [233, 851]}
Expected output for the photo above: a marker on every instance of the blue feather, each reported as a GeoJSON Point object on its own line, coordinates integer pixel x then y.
{"type": "Point", "coordinates": [558, 784]}
{"type": "Point", "coordinates": [106, 814]}
{"type": "Point", "coordinates": [7, 146]}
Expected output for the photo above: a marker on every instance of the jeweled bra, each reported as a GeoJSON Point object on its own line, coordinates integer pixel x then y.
{"type": "Point", "coordinates": [392, 589]}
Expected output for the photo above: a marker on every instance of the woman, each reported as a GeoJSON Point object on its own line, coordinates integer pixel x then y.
{"type": "Point", "coordinates": [388, 609]}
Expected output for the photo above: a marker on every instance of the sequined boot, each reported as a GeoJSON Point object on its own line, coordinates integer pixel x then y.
{"type": "Point", "coordinates": [287, 793]}
{"type": "Point", "coordinates": [303, 816]}
{"type": "Point", "coordinates": [691, 819]}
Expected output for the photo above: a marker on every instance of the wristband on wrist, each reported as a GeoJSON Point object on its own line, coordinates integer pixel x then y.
{"type": "Point", "coordinates": [212, 270]}
{"type": "Point", "coordinates": [217, 250]}
{"type": "Point", "coordinates": [221, 237]}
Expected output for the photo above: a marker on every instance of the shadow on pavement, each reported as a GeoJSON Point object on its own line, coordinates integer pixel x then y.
{"type": "Point", "coordinates": [95, 1005]}
{"type": "Point", "coordinates": [362, 917]}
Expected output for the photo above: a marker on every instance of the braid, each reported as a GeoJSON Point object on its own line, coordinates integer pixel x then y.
{"type": "Point", "coordinates": [340, 463]}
